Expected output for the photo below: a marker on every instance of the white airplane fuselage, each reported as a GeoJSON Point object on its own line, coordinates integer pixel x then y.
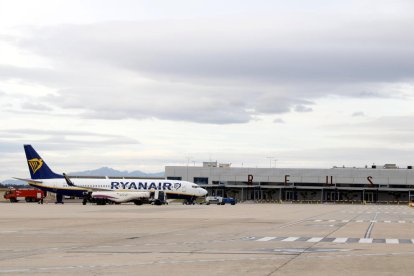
{"type": "Point", "coordinates": [116, 190]}
{"type": "Point", "coordinates": [174, 189]}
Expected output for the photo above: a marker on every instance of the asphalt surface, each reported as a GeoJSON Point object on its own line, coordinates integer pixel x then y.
{"type": "Point", "coordinates": [245, 239]}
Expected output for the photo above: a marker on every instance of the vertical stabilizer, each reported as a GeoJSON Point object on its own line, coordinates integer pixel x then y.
{"type": "Point", "coordinates": [37, 166]}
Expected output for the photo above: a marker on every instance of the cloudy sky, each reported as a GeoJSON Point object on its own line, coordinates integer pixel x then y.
{"type": "Point", "coordinates": [136, 84]}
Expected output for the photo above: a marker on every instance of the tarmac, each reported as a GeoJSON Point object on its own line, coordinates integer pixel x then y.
{"type": "Point", "coordinates": [245, 239]}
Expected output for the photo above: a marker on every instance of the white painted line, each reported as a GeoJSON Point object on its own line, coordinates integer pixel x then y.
{"type": "Point", "coordinates": [374, 221]}
{"type": "Point", "coordinates": [345, 220]}
{"type": "Point", "coordinates": [365, 240]}
{"type": "Point", "coordinates": [401, 221]}
{"type": "Point", "coordinates": [266, 239]}
{"type": "Point", "coordinates": [314, 240]}
{"type": "Point", "coordinates": [387, 221]}
{"type": "Point", "coordinates": [290, 239]}
{"type": "Point", "coordinates": [331, 220]}
{"type": "Point", "coordinates": [340, 240]}
{"type": "Point", "coordinates": [393, 241]}
{"type": "Point", "coordinates": [359, 221]}
{"type": "Point", "coordinates": [318, 220]}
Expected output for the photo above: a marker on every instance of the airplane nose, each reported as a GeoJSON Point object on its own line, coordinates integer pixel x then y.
{"type": "Point", "coordinates": [204, 192]}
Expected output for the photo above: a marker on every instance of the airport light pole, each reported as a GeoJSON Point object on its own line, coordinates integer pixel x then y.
{"type": "Point", "coordinates": [188, 162]}
{"type": "Point", "coordinates": [270, 160]}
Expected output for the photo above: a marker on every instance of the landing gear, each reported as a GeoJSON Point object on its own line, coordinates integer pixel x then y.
{"type": "Point", "coordinates": [86, 198]}
{"type": "Point", "coordinates": [59, 199]}
{"type": "Point", "coordinates": [158, 198]}
{"type": "Point", "coordinates": [189, 201]}
{"type": "Point", "coordinates": [101, 201]}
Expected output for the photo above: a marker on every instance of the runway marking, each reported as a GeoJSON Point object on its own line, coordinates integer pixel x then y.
{"type": "Point", "coordinates": [391, 241]}
{"type": "Point", "coordinates": [380, 211]}
{"type": "Point", "coordinates": [340, 240]}
{"type": "Point", "coordinates": [266, 239]}
{"type": "Point", "coordinates": [314, 240]}
{"type": "Point", "coordinates": [362, 221]}
{"type": "Point", "coordinates": [331, 240]}
{"type": "Point", "coordinates": [365, 240]}
{"type": "Point", "coordinates": [290, 239]}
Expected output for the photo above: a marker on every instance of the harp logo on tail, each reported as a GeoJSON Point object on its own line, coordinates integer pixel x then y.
{"type": "Point", "coordinates": [35, 164]}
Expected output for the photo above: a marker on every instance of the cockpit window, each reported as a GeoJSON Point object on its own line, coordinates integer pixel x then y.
{"type": "Point", "coordinates": [195, 187]}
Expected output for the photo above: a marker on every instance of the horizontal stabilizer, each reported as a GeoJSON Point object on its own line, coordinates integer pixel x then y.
{"type": "Point", "coordinates": [28, 180]}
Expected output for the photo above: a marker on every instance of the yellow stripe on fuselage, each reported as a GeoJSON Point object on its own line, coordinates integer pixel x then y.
{"type": "Point", "coordinates": [57, 188]}
{"type": "Point", "coordinates": [35, 184]}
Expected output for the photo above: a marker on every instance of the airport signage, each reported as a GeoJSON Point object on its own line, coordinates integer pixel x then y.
{"type": "Point", "coordinates": [115, 185]}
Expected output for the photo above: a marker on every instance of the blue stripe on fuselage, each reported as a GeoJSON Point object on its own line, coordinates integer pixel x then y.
{"type": "Point", "coordinates": [81, 193]}
{"type": "Point", "coordinates": [66, 192]}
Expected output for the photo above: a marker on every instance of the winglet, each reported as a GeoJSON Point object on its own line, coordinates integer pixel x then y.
{"type": "Point", "coordinates": [68, 181]}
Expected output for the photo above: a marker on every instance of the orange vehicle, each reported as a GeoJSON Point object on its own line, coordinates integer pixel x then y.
{"type": "Point", "coordinates": [30, 195]}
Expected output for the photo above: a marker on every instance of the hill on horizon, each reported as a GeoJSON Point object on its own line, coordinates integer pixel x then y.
{"type": "Point", "coordinates": [104, 171]}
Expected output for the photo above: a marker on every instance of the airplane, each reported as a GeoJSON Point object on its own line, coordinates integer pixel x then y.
{"type": "Point", "coordinates": [108, 190]}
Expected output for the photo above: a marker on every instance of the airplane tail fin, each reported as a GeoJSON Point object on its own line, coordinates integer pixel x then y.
{"type": "Point", "coordinates": [37, 167]}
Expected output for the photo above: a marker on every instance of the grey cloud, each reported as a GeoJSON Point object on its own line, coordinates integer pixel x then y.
{"type": "Point", "coordinates": [394, 123]}
{"type": "Point", "coordinates": [60, 139]}
{"type": "Point", "coordinates": [374, 51]}
{"type": "Point", "coordinates": [358, 114]}
{"type": "Point", "coordinates": [35, 106]}
{"type": "Point", "coordinates": [7, 147]}
{"type": "Point", "coordinates": [393, 131]}
{"type": "Point", "coordinates": [302, 108]}
{"type": "Point", "coordinates": [402, 124]}
{"type": "Point", "coordinates": [215, 72]}
{"type": "Point", "coordinates": [278, 121]}
{"type": "Point", "coordinates": [271, 102]}
{"type": "Point", "coordinates": [372, 94]}
{"type": "Point", "coordinates": [350, 156]}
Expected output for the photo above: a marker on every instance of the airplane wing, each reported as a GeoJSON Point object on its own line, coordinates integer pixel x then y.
{"type": "Point", "coordinates": [28, 180]}
{"type": "Point", "coordinates": [71, 184]}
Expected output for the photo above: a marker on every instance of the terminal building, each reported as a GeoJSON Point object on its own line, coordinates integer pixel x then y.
{"type": "Point", "coordinates": [375, 184]}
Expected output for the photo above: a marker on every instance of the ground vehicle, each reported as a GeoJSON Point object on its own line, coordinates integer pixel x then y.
{"type": "Point", "coordinates": [30, 195]}
{"type": "Point", "coordinates": [219, 200]}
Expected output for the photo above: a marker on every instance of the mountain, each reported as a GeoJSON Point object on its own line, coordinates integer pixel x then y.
{"type": "Point", "coordinates": [106, 171]}
{"type": "Point", "coordinates": [13, 182]}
